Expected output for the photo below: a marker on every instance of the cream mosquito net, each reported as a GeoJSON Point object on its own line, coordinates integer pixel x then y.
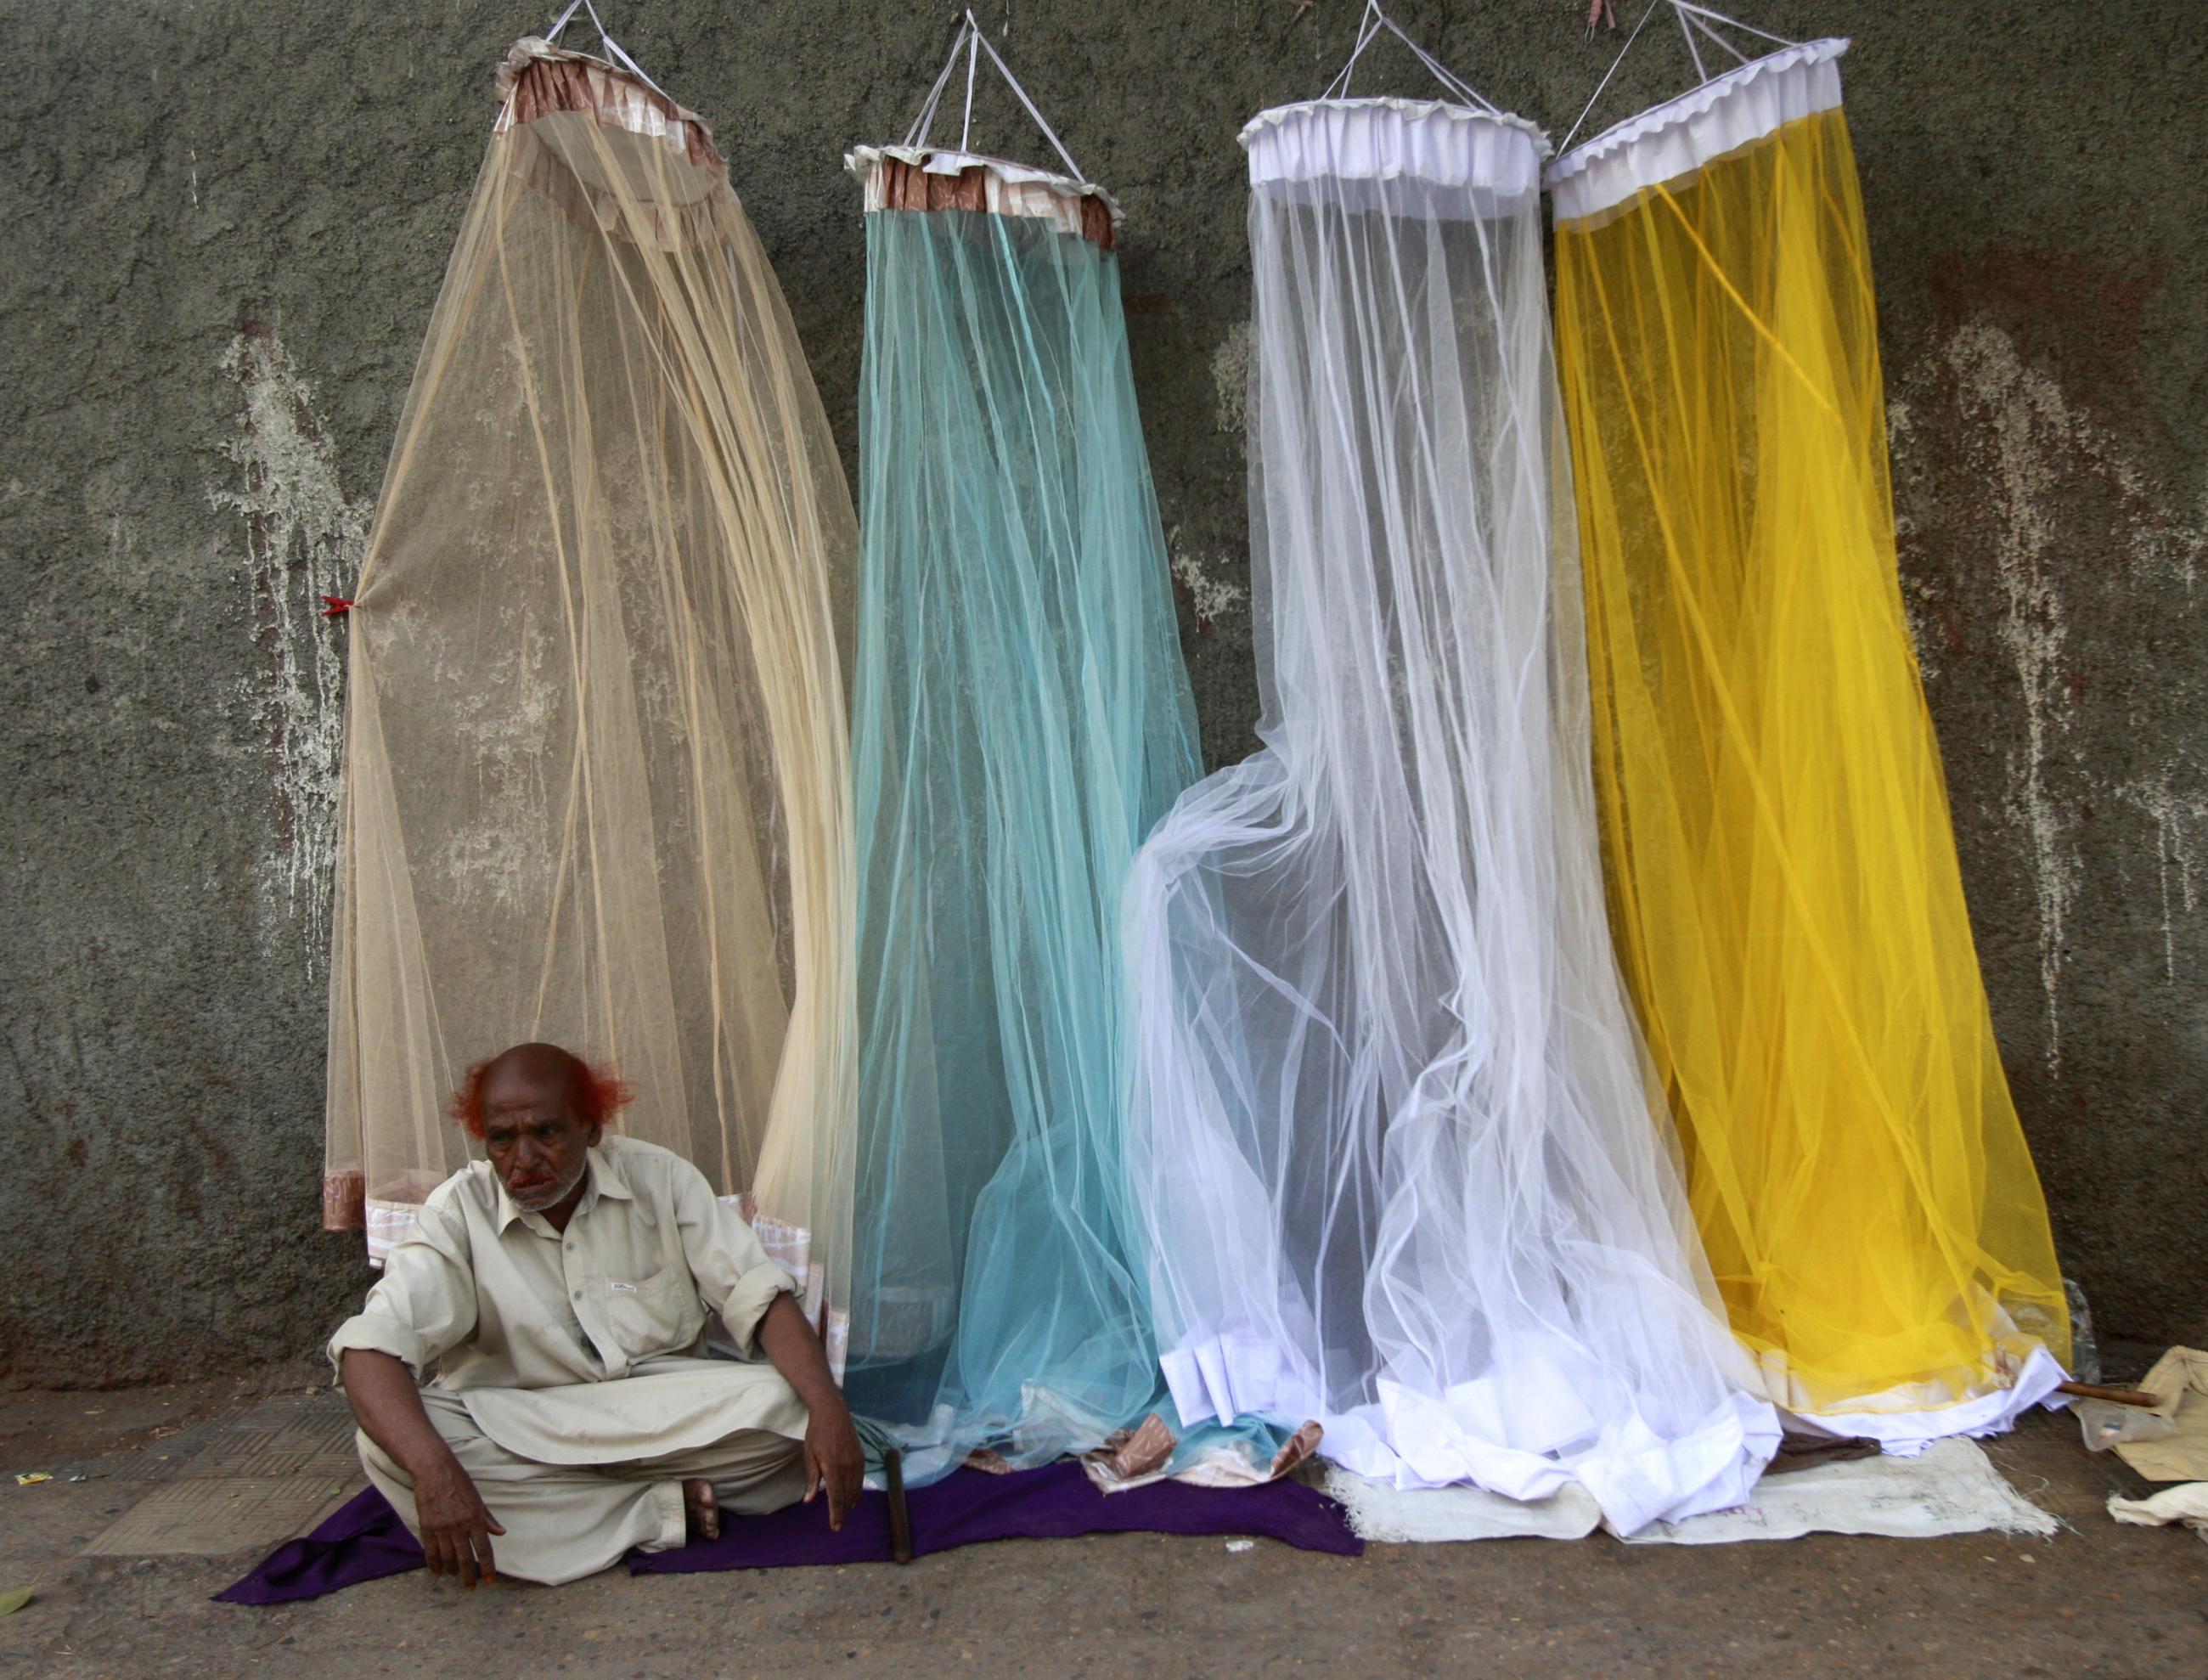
{"type": "Point", "coordinates": [596, 783]}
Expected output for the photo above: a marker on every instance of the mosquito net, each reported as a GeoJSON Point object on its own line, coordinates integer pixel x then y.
{"type": "Point", "coordinates": [1022, 717]}
{"type": "Point", "coordinates": [597, 784]}
{"type": "Point", "coordinates": [1784, 884]}
{"type": "Point", "coordinates": [1396, 1164]}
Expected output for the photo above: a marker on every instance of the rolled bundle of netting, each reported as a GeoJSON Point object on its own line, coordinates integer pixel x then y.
{"type": "Point", "coordinates": [1784, 884]}
{"type": "Point", "coordinates": [1022, 717]}
{"type": "Point", "coordinates": [1397, 1166]}
{"type": "Point", "coordinates": [597, 784]}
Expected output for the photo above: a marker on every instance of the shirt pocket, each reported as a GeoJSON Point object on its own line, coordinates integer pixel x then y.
{"type": "Point", "coordinates": [661, 1314]}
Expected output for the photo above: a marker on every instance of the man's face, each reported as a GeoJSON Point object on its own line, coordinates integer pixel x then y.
{"type": "Point", "coordinates": [537, 1146]}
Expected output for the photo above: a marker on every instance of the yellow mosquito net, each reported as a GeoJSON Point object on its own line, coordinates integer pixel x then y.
{"type": "Point", "coordinates": [598, 787]}
{"type": "Point", "coordinates": [1782, 871]}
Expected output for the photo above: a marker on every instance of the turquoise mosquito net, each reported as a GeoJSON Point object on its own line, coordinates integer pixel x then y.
{"type": "Point", "coordinates": [1021, 718]}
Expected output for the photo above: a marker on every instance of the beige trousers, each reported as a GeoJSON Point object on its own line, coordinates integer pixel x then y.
{"type": "Point", "coordinates": [563, 1521]}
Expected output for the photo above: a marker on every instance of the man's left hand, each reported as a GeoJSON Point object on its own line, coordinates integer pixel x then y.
{"type": "Point", "coordinates": [834, 1460]}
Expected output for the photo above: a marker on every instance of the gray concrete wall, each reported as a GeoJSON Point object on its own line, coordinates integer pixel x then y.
{"type": "Point", "coordinates": [223, 226]}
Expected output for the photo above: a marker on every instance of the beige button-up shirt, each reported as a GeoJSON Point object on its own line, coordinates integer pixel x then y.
{"type": "Point", "coordinates": [585, 1346]}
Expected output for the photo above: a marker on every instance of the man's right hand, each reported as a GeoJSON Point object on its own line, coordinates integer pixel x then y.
{"type": "Point", "coordinates": [456, 1525]}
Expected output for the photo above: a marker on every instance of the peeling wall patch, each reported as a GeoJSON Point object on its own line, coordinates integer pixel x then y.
{"type": "Point", "coordinates": [304, 539]}
{"type": "Point", "coordinates": [1208, 598]}
{"type": "Point", "coordinates": [1230, 374]}
{"type": "Point", "coordinates": [2024, 438]}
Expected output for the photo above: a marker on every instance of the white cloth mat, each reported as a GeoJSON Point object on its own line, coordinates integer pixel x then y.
{"type": "Point", "coordinates": [1951, 1488]}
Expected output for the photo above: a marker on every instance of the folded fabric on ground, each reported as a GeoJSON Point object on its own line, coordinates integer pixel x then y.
{"type": "Point", "coordinates": [1055, 1502]}
{"type": "Point", "coordinates": [2180, 1378]}
{"type": "Point", "coordinates": [361, 1540]}
{"type": "Point", "coordinates": [365, 1539]}
{"type": "Point", "coordinates": [2187, 1503]}
{"type": "Point", "coordinates": [1951, 1488]}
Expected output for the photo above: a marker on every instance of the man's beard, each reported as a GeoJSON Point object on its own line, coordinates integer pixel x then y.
{"type": "Point", "coordinates": [557, 1192]}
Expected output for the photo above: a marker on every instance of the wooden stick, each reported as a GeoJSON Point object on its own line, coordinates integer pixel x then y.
{"type": "Point", "coordinates": [2121, 1396]}
{"type": "Point", "coordinates": [900, 1516]}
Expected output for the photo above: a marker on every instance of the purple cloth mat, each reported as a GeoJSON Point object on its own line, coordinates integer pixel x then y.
{"type": "Point", "coordinates": [365, 1539]}
{"type": "Point", "coordinates": [1054, 1502]}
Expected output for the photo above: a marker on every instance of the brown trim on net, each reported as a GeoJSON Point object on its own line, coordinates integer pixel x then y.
{"type": "Point", "coordinates": [345, 1201]}
{"type": "Point", "coordinates": [1128, 1454]}
{"type": "Point", "coordinates": [1298, 1447]}
{"type": "Point", "coordinates": [909, 187]}
{"type": "Point", "coordinates": [544, 86]}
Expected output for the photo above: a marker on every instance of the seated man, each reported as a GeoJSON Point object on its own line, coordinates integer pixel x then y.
{"type": "Point", "coordinates": [560, 1287]}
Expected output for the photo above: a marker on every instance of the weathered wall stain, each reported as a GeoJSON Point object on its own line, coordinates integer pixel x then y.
{"type": "Point", "coordinates": [1195, 580]}
{"type": "Point", "coordinates": [2176, 816]}
{"type": "Point", "coordinates": [2024, 418]}
{"type": "Point", "coordinates": [1230, 377]}
{"type": "Point", "coordinates": [2023, 445]}
{"type": "Point", "coordinates": [304, 540]}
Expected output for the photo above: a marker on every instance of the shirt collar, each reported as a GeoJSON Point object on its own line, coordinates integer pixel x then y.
{"type": "Point", "coordinates": [601, 1176]}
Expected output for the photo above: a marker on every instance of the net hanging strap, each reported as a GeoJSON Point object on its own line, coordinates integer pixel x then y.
{"type": "Point", "coordinates": [612, 46]}
{"type": "Point", "coordinates": [971, 41]}
{"type": "Point", "coordinates": [1691, 18]}
{"type": "Point", "coordinates": [1368, 31]}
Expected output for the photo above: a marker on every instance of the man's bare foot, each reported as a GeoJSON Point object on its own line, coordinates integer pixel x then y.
{"type": "Point", "coordinates": [702, 1511]}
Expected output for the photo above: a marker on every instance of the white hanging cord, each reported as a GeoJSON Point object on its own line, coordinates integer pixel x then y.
{"type": "Point", "coordinates": [1375, 20]}
{"type": "Point", "coordinates": [1691, 17]}
{"type": "Point", "coordinates": [1694, 51]}
{"type": "Point", "coordinates": [1368, 28]}
{"type": "Point", "coordinates": [612, 46]}
{"type": "Point", "coordinates": [1744, 28]}
{"type": "Point", "coordinates": [1448, 78]}
{"type": "Point", "coordinates": [1013, 82]}
{"type": "Point", "coordinates": [1606, 75]}
{"type": "Point", "coordinates": [1739, 57]}
{"type": "Point", "coordinates": [972, 41]}
{"type": "Point", "coordinates": [973, 60]}
{"type": "Point", "coordinates": [916, 135]}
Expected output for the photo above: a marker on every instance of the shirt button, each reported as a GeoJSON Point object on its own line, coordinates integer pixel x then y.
{"type": "Point", "coordinates": [579, 1294]}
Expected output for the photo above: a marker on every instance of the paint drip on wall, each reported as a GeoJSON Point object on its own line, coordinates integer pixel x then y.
{"type": "Point", "coordinates": [2023, 441]}
{"type": "Point", "coordinates": [304, 539]}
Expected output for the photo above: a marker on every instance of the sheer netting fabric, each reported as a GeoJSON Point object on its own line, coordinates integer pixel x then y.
{"type": "Point", "coordinates": [1394, 1156]}
{"type": "Point", "coordinates": [1021, 718]}
{"type": "Point", "coordinates": [597, 784]}
{"type": "Point", "coordinates": [1785, 890]}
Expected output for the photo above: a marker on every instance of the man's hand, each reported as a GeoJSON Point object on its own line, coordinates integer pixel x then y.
{"type": "Point", "coordinates": [456, 1525]}
{"type": "Point", "coordinates": [833, 1458]}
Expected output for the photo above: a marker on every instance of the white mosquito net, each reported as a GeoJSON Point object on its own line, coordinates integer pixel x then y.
{"type": "Point", "coordinates": [596, 781]}
{"type": "Point", "coordinates": [1389, 1135]}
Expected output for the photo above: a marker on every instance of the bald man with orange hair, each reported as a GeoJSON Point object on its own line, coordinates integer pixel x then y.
{"type": "Point", "coordinates": [559, 1291]}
